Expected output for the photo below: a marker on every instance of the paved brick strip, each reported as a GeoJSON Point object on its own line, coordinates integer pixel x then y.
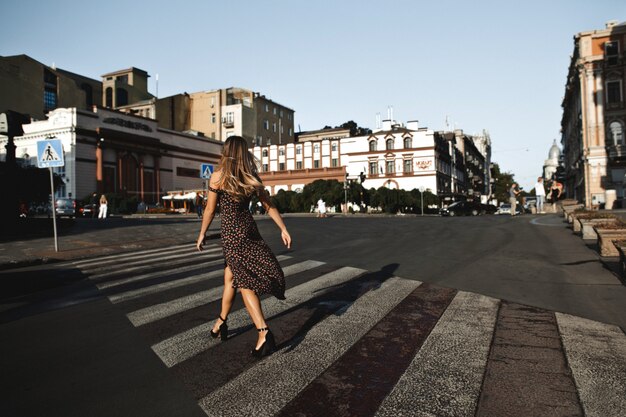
{"type": "Point", "coordinates": [527, 372]}
{"type": "Point", "coordinates": [357, 383]}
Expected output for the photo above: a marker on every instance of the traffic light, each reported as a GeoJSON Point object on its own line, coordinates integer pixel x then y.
{"type": "Point", "coordinates": [362, 176]}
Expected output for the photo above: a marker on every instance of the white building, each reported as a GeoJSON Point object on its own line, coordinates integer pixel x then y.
{"type": "Point", "coordinates": [109, 151]}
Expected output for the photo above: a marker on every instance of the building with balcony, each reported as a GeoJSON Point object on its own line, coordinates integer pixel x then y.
{"type": "Point", "coordinates": [594, 116]}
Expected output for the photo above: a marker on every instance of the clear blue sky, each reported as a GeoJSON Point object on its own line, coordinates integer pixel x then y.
{"type": "Point", "coordinates": [495, 65]}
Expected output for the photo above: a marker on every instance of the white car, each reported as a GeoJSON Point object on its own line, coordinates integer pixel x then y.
{"type": "Point", "coordinates": [505, 208]}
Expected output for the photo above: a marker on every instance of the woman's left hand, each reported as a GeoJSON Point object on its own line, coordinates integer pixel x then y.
{"type": "Point", "coordinates": [286, 238]}
{"type": "Point", "coordinates": [200, 242]}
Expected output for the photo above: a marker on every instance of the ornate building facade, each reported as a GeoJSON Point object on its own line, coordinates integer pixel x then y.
{"type": "Point", "coordinates": [594, 116]}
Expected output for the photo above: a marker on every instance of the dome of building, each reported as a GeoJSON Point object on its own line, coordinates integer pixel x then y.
{"type": "Point", "coordinates": [555, 152]}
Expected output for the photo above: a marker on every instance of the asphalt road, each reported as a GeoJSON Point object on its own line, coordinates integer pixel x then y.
{"type": "Point", "coordinates": [69, 344]}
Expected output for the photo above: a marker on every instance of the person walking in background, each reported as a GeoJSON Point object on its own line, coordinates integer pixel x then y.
{"type": "Point", "coordinates": [540, 192]}
{"type": "Point", "coordinates": [199, 204]}
{"type": "Point", "coordinates": [102, 213]}
{"type": "Point", "coordinates": [513, 193]}
{"type": "Point", "coordinates": [93, 201]}
{"type": "Point", "coordinates": [555, 194]}
{"type": "Point", "coordinates": [250, 265]}
{"type": "Point", "coordinates": [321, 208]}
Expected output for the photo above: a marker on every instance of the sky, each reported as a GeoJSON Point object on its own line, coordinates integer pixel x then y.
{"type": "Point", "coordinates": [494, 65]}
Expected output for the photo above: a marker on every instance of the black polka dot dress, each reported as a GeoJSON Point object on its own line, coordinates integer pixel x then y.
{"type": "Point", "coordinates": [252, 262]}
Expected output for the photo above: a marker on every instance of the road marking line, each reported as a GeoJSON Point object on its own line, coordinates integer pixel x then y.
{"type": "Point", "coordinates": [596, 353]}
{"type": "Point", "coordinates": [127, 254]}
{"type": "Point", "coordinates": [189, 343]}
{"type": "Point", "coordinates": [134, 257]}
{"type": "Point", "coordinates": [459, 343]}
{"type": "Point", "coordinates": [153, 289]}
{"type": "Point", "coordinates": [286, 372]}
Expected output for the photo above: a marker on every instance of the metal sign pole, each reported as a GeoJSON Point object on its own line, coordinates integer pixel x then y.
{"type": "Point", "coordinates": [54, 211]}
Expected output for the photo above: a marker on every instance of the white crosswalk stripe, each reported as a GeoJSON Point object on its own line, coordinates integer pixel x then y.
{"type": "Point", "coordinates": [162, 289]}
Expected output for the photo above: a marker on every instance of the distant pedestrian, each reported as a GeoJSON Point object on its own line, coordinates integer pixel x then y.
{"type": "Point", "coordinates": [103, 207]}
{"type": "Point", "coordinates": [321, 208]}
{"type": "Point", "coordinates": [540, 192]}
{"type": "Point", "coordinates": [555, 194]}
{"type": "Point", "coordinates": [199, 205]}
{"type": "Point", "coordinates": [513, 193]}
{"type": "Point", "coordinates": [93, 201]}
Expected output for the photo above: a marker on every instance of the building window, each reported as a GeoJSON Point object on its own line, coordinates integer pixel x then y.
{"type": "Point", "coordinates": [108, 94]}
{"type": "Point", "coordinates": [230, 118]}
{"type": "Point", "coordinates": [213, 118]}
{"type": "Point", "coordinates": [389, 144]}
{"type": "Point", "coordinates": [274, 111]}
{"type": "Point", "coordinates": [264, 167]}
{"type": "Point", "coordinates": [122, 79]}
{"type": "Point", "coordinates": [334, 146]}
{"type": "Point", "coordinates": [408, 143]}
{"type": "Point", "coordinates": [274, 127]}
{"type": "Point", "coordinates": [316, 163]}
{"type": "Point", "coordinates": [372, 146]}
{"type": "Point", "coordinates": [614, 91]}
{"type": "Point", "coordinates": [88, 95]}
{"type": "Point", "coordinates": [390, 167]}
{"type": "Point", "coordinates": [266, 124]}
{"type": "Point", "coordinates": [335, 162]}
{"type": "Point", "coordinates": [230, 133]}
{"type": "Point", "coordinates": [298, 150]}
{"type": "Point", "coordinates": [267, 108]}
{"type": "Point", "coordinates": [617, 133]}
{"type": "Point", "coordinates": [50, 97]}
{"type": "Point", "coordinates": [121, 97]}
{"type": "Point", "coordinates": [281, 152]}
{"type": "Point", "coordinates": [290, 131]}
{"type": "Point", "coordinates": [316, 148]}
{"type": "Point", "coordinates": [288, 116]}
{"type": "Point", "coordinates": [373, 168]}
{"type": "Point", "coordinates": [611, 52]}
{"type": "Point", "coordinates": [264, 153]}
{"type": "Point", "coordinates": [298, 164]}
{"type": "Point", "coordinates": [281, 166]}
{"type": "Point", "coordinates": [408, 166]}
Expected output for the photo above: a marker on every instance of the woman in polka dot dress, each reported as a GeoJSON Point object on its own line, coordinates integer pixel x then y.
{"type": "Point", "coordinates": [250, 265]}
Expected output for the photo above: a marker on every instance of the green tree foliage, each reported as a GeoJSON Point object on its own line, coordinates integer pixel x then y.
{"type": "Point", "coordinates": [502, 183]}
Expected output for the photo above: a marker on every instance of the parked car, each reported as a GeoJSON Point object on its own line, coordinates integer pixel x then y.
{"type": "Point", "coordinates": [463, 208]}
{"type": "Point", "coordinates": [505, 208]}
{"type": "Point", "coordinates": [88, 210]}
{"type": "Point", "coordinates": [65, 207]}
{"type": "Point", "coordinates": [489, 208]}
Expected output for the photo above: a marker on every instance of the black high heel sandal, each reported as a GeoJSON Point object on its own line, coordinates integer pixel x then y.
{"type": "Point", "coordinates": [268, 346]}
{"type": "Point", "coordinates": [222, 331]}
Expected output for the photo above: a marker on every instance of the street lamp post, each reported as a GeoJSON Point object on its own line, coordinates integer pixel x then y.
{"type": "Point", "coordinates": [422, 189]}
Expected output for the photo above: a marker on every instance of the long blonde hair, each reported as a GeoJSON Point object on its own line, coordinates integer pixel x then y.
{"type": "Point", "coordinates": [239, 169]}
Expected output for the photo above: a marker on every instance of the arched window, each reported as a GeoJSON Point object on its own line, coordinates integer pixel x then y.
{"type": "Point", "coordinates": [389, 144]}
{"type": "Point", "coordinates": [617, 133]}
{"type": "Point", "coordinates": [408, 142]}
{"type": "Point", "coordinates": [121, 98]}
{"type": "Point", "coordinates": [264, 152]}
{"type": "Point", "coordinates": [372, 145]}
{"type": "Point", "coordinates": [108, 94]}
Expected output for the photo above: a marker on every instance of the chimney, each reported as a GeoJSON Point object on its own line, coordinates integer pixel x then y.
{"type": "Point", "coordinates": [387, 124]}
{"type": "Point", "coordinates": [412, 125]}
{"type": "Point", "coordinates": [611, 23]}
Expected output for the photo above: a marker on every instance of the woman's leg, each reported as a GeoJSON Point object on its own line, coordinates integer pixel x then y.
{"type": "Point", "coordinates": [253, 305]}
{"type": "Point", "coordinates": [227, 297]}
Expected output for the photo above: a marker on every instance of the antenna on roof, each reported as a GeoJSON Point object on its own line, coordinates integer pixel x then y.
{"type": "Point", "coordinates": [157, 85]}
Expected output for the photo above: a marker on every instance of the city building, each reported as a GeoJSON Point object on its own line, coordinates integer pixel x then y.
{"type": "Point", "coordinates": [32, 88]}
{"type": "Point", "coordinates": [594, 116]}
{"type": "Point", "coordinates": [449, 164]}
{"type": "Point", "coordinates": [551, 165]}
{"type": "Point", "coordinates": [218, 114]}
{"type": "Point", "coordinates": [108, 151]}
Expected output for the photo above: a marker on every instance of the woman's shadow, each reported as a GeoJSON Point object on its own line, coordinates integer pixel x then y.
{"type": "Point", "coordinates": [296, 322]}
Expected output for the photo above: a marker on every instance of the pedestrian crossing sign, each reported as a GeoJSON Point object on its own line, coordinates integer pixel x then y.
{"type": "Point", "coordinates": [50, 153]}
{"type": "Point", "coordinates": [205, 171]}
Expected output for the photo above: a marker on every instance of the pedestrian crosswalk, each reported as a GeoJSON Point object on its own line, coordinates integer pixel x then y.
{"type": "Point", "coordinates": [354, 342]}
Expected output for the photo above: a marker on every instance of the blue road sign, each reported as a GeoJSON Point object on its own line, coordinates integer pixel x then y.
{"type": "Point", "coordinates": [205, 171]}
{"type": "Point", "coordinates": [50, 153]}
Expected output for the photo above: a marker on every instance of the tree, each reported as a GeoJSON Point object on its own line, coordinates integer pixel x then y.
{"type": "Point", "coordinates": [502, 183]}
